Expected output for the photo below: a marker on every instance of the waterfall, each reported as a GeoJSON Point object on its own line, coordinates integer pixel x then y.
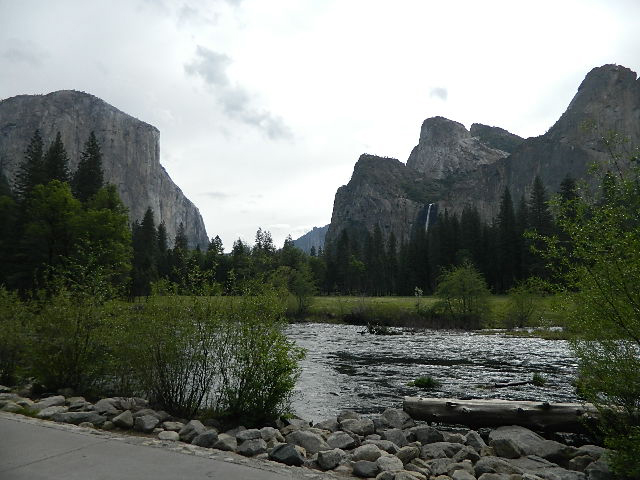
{"type": "Point", "coordinates": [426, 225]}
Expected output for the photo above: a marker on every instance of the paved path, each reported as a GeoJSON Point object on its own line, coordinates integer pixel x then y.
{"type": "Point", "coordinates": [32, 449]}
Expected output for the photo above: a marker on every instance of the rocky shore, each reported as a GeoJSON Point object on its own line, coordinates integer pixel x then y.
{"type": "Point", "coordinates": [389, 446]}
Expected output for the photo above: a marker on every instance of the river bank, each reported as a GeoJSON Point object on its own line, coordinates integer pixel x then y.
{"type": "Point", "coordinates": [388, 446]}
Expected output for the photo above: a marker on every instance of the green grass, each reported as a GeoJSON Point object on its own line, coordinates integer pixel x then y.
{"type": "Point", "coordinates": [538, 380]}
{"type": "Point", "coordinates": [425, 383]}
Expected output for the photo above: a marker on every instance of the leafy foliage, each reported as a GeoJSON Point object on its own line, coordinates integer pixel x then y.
{"type": "Point", "coordinates": [464, 295]}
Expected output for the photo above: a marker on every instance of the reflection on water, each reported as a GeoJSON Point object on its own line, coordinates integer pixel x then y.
{"type": "Point", "coordinates": [346, 370]}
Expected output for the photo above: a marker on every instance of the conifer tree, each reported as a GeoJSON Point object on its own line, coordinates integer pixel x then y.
{"type": "Point", "coordinates": [31, 170]}
{"type": "Point", "coordinates": [507, 242]}
{"type": "Point", "coordinates": [540, 218]}
{"type": "Point", "coordinates": [56, 162]}
{"type": "Point", "coordinates": [145, 254]}
{"type": "Point", "coordinates": [89, 177]}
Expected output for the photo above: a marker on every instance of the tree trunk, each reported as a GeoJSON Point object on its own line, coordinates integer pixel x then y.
{"type": "Point", "coordinates": [558, 417]}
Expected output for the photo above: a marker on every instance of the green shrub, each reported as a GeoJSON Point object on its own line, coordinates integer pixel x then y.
{"type": "Point", "coordinates": [425, 383]}
{"type": "Point", "coordinates": [13, 335]}
{"type": "Point", "coordinates": [522, 305]}
{"type": "Point", "coordinates": [464, 296]}
{"type": "Point", "coordinates": [538, 380]}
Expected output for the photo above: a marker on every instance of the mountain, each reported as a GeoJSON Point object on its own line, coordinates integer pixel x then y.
{"type": "Point", "coordinates": [130, 148]}
{"type": "Point", "coordinates": [452, 167]}
{"type": "Point", "coordinates": [314, 238]}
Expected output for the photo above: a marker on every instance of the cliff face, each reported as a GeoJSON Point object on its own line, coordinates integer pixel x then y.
{"type": "Point", "coordinates": [130, 149]}
{"type": "Point", "coordinates": [453, 167]}
{"type": "Point", "coordinates": [314, 238]}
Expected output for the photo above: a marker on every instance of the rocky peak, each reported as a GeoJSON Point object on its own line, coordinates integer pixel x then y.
{"type": "Point", "coordinates": [447, 148]}
{"type": "Point", "coordinates": [496, 137]}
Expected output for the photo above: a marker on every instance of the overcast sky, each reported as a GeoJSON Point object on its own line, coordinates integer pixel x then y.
{"type": "Point", "coordinates": [265, 105]}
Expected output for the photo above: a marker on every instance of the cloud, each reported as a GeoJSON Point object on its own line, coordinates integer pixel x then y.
{"type": "Point", "coordinates": [439, 92]}
{"type": "Point", "coordinates": [235, 100]}
{"type": "Point", "coordinates": [216, 195]}
{"type": "Point", "coordinates": [21, 51]}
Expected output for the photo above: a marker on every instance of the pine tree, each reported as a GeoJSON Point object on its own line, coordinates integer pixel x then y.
{"type": "Point", "coordinates": [540, 218]}
{"type": "Point", "coordinates": [89, 177]}
{"type": "Point", "coordinates": [31, 170]}
{"type": "Point", "coordinates": [507, 243]}
{"type": "Point", "coordinates": [56, 162]}
{"type": "Point", "coordinates": [145, 253]}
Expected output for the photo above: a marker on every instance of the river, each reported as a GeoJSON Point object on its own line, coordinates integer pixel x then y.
{"type": "Point", "coordinates": [345, 369]}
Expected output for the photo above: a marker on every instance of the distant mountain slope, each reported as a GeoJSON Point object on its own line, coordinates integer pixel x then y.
{"type": "Point", "coordinates": [130, 147]}
{"type": "Point", "coordinates": [314, 238]}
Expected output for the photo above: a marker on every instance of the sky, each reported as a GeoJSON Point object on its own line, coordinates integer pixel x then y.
{"type": "Point", "coordinates": [265, 106]}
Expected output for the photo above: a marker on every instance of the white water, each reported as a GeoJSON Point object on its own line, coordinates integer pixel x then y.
{"type": "Point", "coordinates": [426, 226]}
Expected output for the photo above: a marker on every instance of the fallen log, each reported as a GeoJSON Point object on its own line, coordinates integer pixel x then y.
{"type": "Point", "coordinates": [557, 417]}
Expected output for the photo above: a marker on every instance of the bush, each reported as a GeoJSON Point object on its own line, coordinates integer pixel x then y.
{"type": "Point", "coordinates": [522, 304]}
{"type": "Point", "coordinates": [464, 295]}
{"type": "Point", "coordinates": [425, 383]}
{"type": "Point", "coordinates": [13, 336]}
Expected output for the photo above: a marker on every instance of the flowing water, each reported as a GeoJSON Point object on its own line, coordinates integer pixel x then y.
{"type": "Point", "coordinates": [345, 369]}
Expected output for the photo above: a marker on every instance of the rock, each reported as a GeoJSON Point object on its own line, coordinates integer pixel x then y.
{"type": "Point", "coordinates": [397, 418]}
{"type": "Point", "coordinates": [287, 454]}
{"type": "Point", "coordinates": [440, 466]}
{"type": "Point", "coordinates": [362, 426]}
{"type": "Point", "coordinates": [389, 463]}
{"type": "Point", "coordinates": [454, 437]}
{"type": "Point", "coordinates": [206, 439]}
{"type": "Point", "coordinates": [474, 440]}
{"type": "Point", "coordinates": [545, 469]}
{"type": "Point", "coordinates": [408, 476]}
{"type": "Point", "coordinates": [125, 420]}
{"type": "Point", "coordinates": [270, 433]}
{"type": "Point", "coordinates": [425, 434]}
{"type": "Point", "coordinates": [330, 459]}
{"type": "Point", "coordinates": [494, 465]}
{"type": "Point", "coordinates": [385, 445]}
{"type": "Point", "coordinates": [466, 453]}
{"type": "Point", "coordinates": [172, 426]}
{"type": "Point", "coordinates": [87, 425]}
{"type": "Point", "coordinates": [25, 403]}
{"type": "Point", "coordinates": [145, 411]}
{"type": "Point", "coordinates": [250, 434]}
{"type": "Point", "coordinates": [426, 471]}
{"type": "Point", "coordinates": [439, 450]}
{"type": "Point", "coordinates": [77, 404]}
{"type": "Point", "coordinates": [598, 470]}
{"type": "Point", "coordinates": [385, 475]}
{"type": "Point", "coordinates": [169, 435]}
{"type": "Point", "coordinates": [341, 440]}
{"type": "Point", "coordinates": [145, 424]}
{"type": "Point", "coordinates": [297, 422]}
{"type": "Point", "coordinates": [234, 431]}
{"type": "Point", "coordinates": [462, 475]}
{"type": "Point", "coordinates": [506, 447]}
{"type": "Point", "coordinates": [580, 462]}
{"type": "Point", "coordinates": [77, 418]}
{"type": "Point", "coordinates": [106, 406]}
{"type": "Point", "coordinates": [50, 411]}
{"type": "Point", "coordinates": [348, 415]}
{"type": "Point", "coordinates": [373, 436]}
{"type": "Point", "coordinates": [408, 453]}
{"type": "Point", "coordinates": [226, 442]}
{"type": "Point", "coordinates": [253, 447]}
{"type": "Point", "coordinates": [366, 452]}
{"type": "Point", "coordinates": [365, 469]}
{"type": "Point", "coordinates": [4, 389]}
{"type": "Point", "coordinates": [465, 465]}
{"type": "Point", "coordinates": [396, 436]}
{"type": "Point", "coordinates": [54, 401]}
{"type": "Point", "coordinates": [311, 442]}
{"type": "Point", "coordinates": [191, 430]}
{"type": "Point", "coordinates": [11, 407]}
{"type": "Point", "coordinates": [330, 424]}
{"type": "Point", "coordinates": [501, 476]}
{"type": "Point", "coordinates": [593, 451]}
{"type": "Point", "coordinates": [108, 425]}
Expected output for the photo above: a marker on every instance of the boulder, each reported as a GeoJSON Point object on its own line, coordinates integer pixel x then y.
{"type": "Point", "coordinates": [341, 440]}
{"type": "Point", "coordinates": [397, 418]}
{"type": "Point", "coordinates": [270, 433]}
{"type": "Point", "coordinates": [365, 469]}
{"type": "Point", "coordinates": [145, 424]}
{"type": "Point", "coordinates": [425, 434]}
{"type": "Point", "coordinates": [54, 401]}
{"type": "Point", "coordinates": [464, 465]}
{"type": "Point", "coordinates": [77, 418]}
{"type": "Point", "coordinates": [191, 430]}
{"type": "Point", "coordinates": [544, 468]}
{"type": "Point", "coordinates": [385, 445]}
{"type": "Point", "coordinates": [389, 463]}
{"type": "Point", "coordinates": [593, 451]}
{"type": "Point", "coordinates": [366, 452]}
{"type": "Point", "coordinates": [474, 440]}
{"type": "Point", "coordinates": [330, 459]}
{"type": "Point", "coordinates": [462, 475]}
{"type": "Point", "coordinates": [173, 426]}
{"type": "Point", "coordinates": [580, 462]}
{"type": "Point", "coordinates": [106, 406]}
{"type": "Point", "coordinates": [408, 476]}
{"type": "Point", "coordinates": [11, 407]}
{"type": "Point", "coordinates": [4, 389]}
{"type": "Point", "coordinates": [124, 420]}
{"type": "Point", "coordinates": [226, 442]}
{"type": "Point", "coordinates": [206, 439]}
{"type": "Point", "coordinates": [253, 447]}
{"type": "Point", "coordinates": [494, 465]}
{"type": "Point", "coordinates": [311, 442]}
{"type": "Point", "coordinates": [396, 436]}
{"type": "Point", "coordinates": [466, 453]}
{"type": "Point", "coordinates": [169, 435]}
{"type": "Point", "coordinates": [287, 454]}
{"type": "Point", "coordinates": [145, 411]}
{"type": "Point", "coordinates": [361, 426]}
{"type": "Point", "coordinates": [50, 411]}
{"type": "Point", "coordinates": [330, 424]}
{"type": "Point", "coordinates": [416, 469]}
{"type": "Point", "coordinates": [108, 425]}
{"type": "Point", "coordinates": [348, 415]}
{"type": "Point", "coordinates": [439, 450]}
{"type": "Point", "coordinates": [439, 466]}
{"type": "Point", "coordinates": [408, 453]}
{"type": "Point", "coordinates": [386, 475]}
{"type": "Point", "coordinates": [87, 425]}
{"type": "Point", "coordinates": [251, 434]}
{"type": "Point", "coordinates": [506, 447]}
{"type": "Point", "coordinates": [598, 470]}
{"type": "Point", "coordinates": [25, 403]}
{"type": "Point", "coordinates": [454, 437]}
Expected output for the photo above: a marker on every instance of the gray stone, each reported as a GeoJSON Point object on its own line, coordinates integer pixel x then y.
{"type": "Point", "coordinates": [593, 451]}
{"type": "Point", "coordinates": [206, 439]}
{"type": "Point", "coordinates": [580, 462]}
{"type": "Point", "coordinates": [365, 469]}
{"type": "Point", "coordinates": [506, 447]}
{"type": "Point", "coordinates": [169, 435]}
{"type": "Point", "coordinates": [425, 470]}
{"type": "Point", "coordinates": [389, 463]}
{"type": "Point", "coordinates": [494, 465]}
{"type": "Point", "coordinates": [145, 411]}
{"type": "Point", "coordinates": [270, 433]}
{"type": "Point", "coordinates": [454, 437]}
{"type": "Point", "coordinates": [250, 434]}
{"type": "Point", "coordinates": [87, 425]}
{"type": "Point", "coordinates": [311, 442]}
{"type": "Point", "coordinates": [474, 440]}
{"type": "Point", "coordinates": [4, 389]}
{"type": "Point", "coordinates": [439, 466]}
{"type": "Point", "coordinates": [464, 465]}
{"type": "Point", "coordinates": [54, 401]}
{"type": "Point", "coordinates": [191, 430]}
{"type": "Point", "coordinates": [25, 403]}
{"type": "Point", "coordinates": [373, 436]}
{"type": "Point", "coordinates": [366, 452]}
{"type": "Point", "coordinates": [330, 459]}
{"type": "Point", "coordinates": [108, 425]}
{"type": "Point", "coordinates": [124, 420]}
{"type": "Point", "coordinates": [173, 426]}
{"type": "Point", "coordinates": [385, 475]}
{"type": "Point", "coordinates": [440, 450]}
{"type": "Point", "coordinates": [462, 475]}
{"type": "Point", "coordinates": [78, 405]}
{"type": "Point", "coordinates": [545, 469]}
{"type": "Point", "coordinates": [341, 440]}
{"type": "Point", "coordinates": [330, 424]}
{"type": "Point", "coordinates": [50, 411]}
{"type": "Point", "coordinates": [106, 406]}
{"type": "Point", "coordinates": [11, 407]}
{"type": "Point", "coordinates": [287, 454]}
{"type": "Point", "coordinates": [253, 447]}
{"type": "Point", "coordinates": [362, 426]}
{"type": "Point", "coordinates": [145, 424]}
{"type": "Point", "coordinates": [530, 443]}
{"type": "Point", "coordinates": [397, 418]}
{"type": "Point", "coordinates": [425, 434]}
{"type": "Point", "coordinates": [385, 445]}
{"type": "Point", "coordinates": [348, 415]}
{"type": "Point", "coordinates": [466, 453]}
{"type": "Point", "coordinates": [408, 453]}
{"type": "Point", "coordinates": [77, 418]}
{"type": "Point", "coordinates": [396, 436]}
{"type": "Point", "coordinates": [408, 476]}
{"type": "Point", "coordinates": [226, 442]}
{"type": "Point", "coordinates": [598, 470]}
{"type": "Point", "coordinates": [501, 476]}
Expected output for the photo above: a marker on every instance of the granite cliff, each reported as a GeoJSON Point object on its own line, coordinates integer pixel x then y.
{"type": "Point", "coordinates": [453, 167]}
{"type": "Point", "coordinates": [313, 238]}
{"type": "Point", "coordinates": [130, 148]}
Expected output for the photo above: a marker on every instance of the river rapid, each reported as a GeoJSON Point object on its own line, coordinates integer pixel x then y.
{"type": "Point", "coordinates": [345, 369]}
